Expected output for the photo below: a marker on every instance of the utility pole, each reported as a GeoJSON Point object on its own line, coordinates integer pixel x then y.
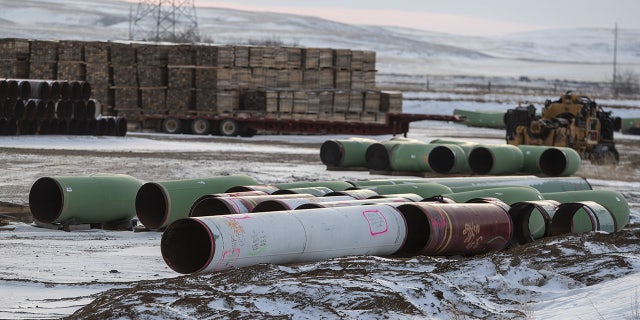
{"type": "Point", "coordinates": [165, 20]}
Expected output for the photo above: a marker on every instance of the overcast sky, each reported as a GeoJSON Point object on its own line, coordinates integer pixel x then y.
{"type": "Point", "coordinates": [470, 17]}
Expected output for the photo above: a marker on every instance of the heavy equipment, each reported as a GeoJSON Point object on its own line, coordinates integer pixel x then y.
{"type": "Point", "coordinates": [573, 121]}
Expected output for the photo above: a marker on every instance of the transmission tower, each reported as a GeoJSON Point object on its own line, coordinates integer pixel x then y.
{"type": "Point", "coordinates": [164, 20]}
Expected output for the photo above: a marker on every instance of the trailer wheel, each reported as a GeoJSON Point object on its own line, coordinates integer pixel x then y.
{"type": "Point", "coordinates": [229, 128]}
{"type": "Point", "coordinates": [200, 126]}
{"type": "Point", "coordinates": [171, 125]}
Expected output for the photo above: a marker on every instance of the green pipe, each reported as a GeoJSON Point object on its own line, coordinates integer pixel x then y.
{"type": "Point", "coordinates": [425, 190]}
{"type": "Point", "coordinates": [599, 218]}
{"type": "Point", "coordinates": [495, 159]}
{"type": "Point", "coordinates": [160, 203]}
{"type": "Point", "coordinates": [540, 184]}
{"type": "Point", "coordinates": [333, 185]}
{"type": "Point", "coordinates": [551, 161]}
{"type": "Point", "coordinates": [98, 198]}
{"type": "Point", "coordinates": [612, 200]}
{"type": "Point", "coordinates": [345, 152]}
{"type": "Point", "coordinates": [509, 195]}
{"type": "Point", "coordinates": [385, 182]}
{"type": "Point", "coordinates": [483, 119]}
{"type": "Point", "coordinates": [378, 154]}
{"type": "Point", "coordinates": [449, 158]}
{"type": "Point", "coordinates": [410, 157]}
{"type": "Point", "coordinates": [532, 219]}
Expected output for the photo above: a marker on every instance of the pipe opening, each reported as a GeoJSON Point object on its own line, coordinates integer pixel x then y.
{"type": "Point", "coordinates": [187, 246]}
{"type": "Point", "coordinates": [211, 206]}
{"type": "Point", "coordinates": [315, 205]}
{"type": "Point", "coordinates": [442, 159]}
{"type": "Point", "coordinates": [377, 157]}
{"type": "Point", "coordinates": [121, 127]}
{"type": "Point", "coordinates": [331, 153]}
{"type": "Point", "coordinates": [417, 229]}
{"type": "Point", "coordinates": [526, 216]}
{"type": "Point", "coordinates": [481, 160]}
{"type": "Point", "coordinates": [152, 205]}
{"type": "Point", "coordinates": [553, 162]}
{"type": "Point", "coordinates": [46, 200]}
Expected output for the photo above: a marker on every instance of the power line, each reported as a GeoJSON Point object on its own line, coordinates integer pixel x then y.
{"type": "Point", "coordinates": [164, 20]}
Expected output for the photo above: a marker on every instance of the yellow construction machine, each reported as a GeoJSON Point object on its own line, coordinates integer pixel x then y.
{"type": "Point", "coordinates": [572, 121]}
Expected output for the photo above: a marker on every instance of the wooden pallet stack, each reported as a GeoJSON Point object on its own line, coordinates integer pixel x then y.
{"type": "Point", "coordinates": [131, 79]}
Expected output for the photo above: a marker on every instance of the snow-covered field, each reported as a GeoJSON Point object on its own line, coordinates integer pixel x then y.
{"type": "Point", "coordinates": [121, 275]}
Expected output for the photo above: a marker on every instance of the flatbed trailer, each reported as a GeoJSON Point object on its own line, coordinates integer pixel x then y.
{"type": "Point", "coordinates": [248, 123]}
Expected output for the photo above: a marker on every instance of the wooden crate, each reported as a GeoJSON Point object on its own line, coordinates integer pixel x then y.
{"type": "Point", "coordinates": [342, 59]}
{"type": "Point", "coordinates": [43, 69]}
{"type": "Point", "coordinates": [296, 78]}
{"type": "Point", "coordinates": [313, 102]}
{"type": "Point", "coordinates": [125, 98]}
{"type": "Point", "coordinates": [227, 100]}
{"type": "Point", "coordinates": [285, 101]}
{"type": "Point", "coordinates": [100, 93]}
{"type": "Point", "coordinates": [214, 56]}
{"type": "Point", "coordinates": [241, 56]}
{"type": "Point", "coordinates": [17, 69]}
{"type": "Point", "coordinates": [370, 79]}
{"type": "Point", "coordinates": [258, 78]}
{"type": "Point", "coordinates": [241, 78]}
{"type": "Point", "coordinates": [372, 101]}
{"type": "Point", "coordinates": [390, 101]}
{"type": "Point", "coordinates": [341, 101]}
{"type": "Point", "coordinates": [152, 76]}
{"type": "Point", "coordinates": [311, 58]}
{"type": "Point", "coordinates": [294, 57]}
{"type": "Point", "coordinates": [152, 99]}
{"type": "Point", "coordinates": [326, 101]}
{"type": "Point", "coordinates": [259, 100]}
{"type": "Point", "coordinates": [206, 100]}
{"type": "Point", "coordinates": [71, 50]}
{"type": "Point", "coordinates": [300, 102]}
{"type": "Point", "coordinates": [269, 57]}
{"type": "Point", "coordinates": [283, 78]}
{"type": "Point", "coordinates": [357, 80]}
{"type": "Point", "coordinates": [96, 52]}
{"type": "Point", "coordinates": [43, 50]}
{"type": "Point", "coordinates": [213, 78]}
{"type": "Point", "coordinates": [326, 79]}
{"type": "Point", "coordinates": [256, 57]}
{"type": "Point", "coordinates": [97, 73]}
{"type": "Point", "coordinates": [181, 99]}
{"type": "Point", "coordinates": [342, 79]}
{"type": "Point", "coordinates": [270, 78]}
{"type": "Point", "coordinates": [311, 78]}
{"type": "Point", "coordinates": [71, 70]}
{"type": "Point", "coordinates": [11, 48]}
{"type": "Point", "coordinates": [181, 77]}
{"type": "Point", "coordinates": [281, 57]}
{"type": "Point", "coordinates": [356, 101]}
{"type": "Point", "coordinates": [368, 60]}
{"type": "Point", "coordinates": [325, 59]}
{"type": "Point", "coordinates": [151, 54]}
{"type": "Point", "coordinates": [181, 55]}
{"type": "Point", "coordinates": [123, 76]}
{"type": "Point", "coordinates": [357, 60]}
{"type": "Point", "coordinates": [122, 54]}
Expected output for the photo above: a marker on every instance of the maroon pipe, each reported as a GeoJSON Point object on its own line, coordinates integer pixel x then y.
{"type": "Point", "coordinates": [450, 229]}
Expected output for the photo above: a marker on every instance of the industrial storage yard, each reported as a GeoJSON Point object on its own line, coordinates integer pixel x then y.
{"type": "Point", "coordinates": [106, 274]}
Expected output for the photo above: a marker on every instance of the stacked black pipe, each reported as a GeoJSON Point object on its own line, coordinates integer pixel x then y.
{"type": "Point", "coordinates": [29, 107]}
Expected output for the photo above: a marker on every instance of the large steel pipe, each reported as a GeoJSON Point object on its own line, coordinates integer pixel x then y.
{"type": "Point", "coordinates": [411, 157]}
{"type": "Point", "coordinates": [293, 203]}
{"type": "Point", "coordinates": [614, 201]}
{"type": "Point", "coordinates": [86, 199]}
{"type": "Point", "coordinates": [35, 89]}
{"type": "Point", "coordinates": [354, 193]}
{"type": "Point", "coordinates": [352, 202]}
{"type": "Point", "coordinates": [384, 182]}
{"type": "Point", "coordinates": [425, 190]}
{"type": "Point", "coordinates": [345, 152]}
{"type": "Point", "coordinates": [600, 218]}
{"type": "Point", "coordinates": [508, 195]}
{"type": "Point", "coordinates": [495, 159]}
{"type": "Point", "coordinates": [213, 205]}
{"type": "Point", "coordinates": [448, 158]}
{"type": "Point", "coordinates": [378, 154]}
{"type": "Point", "coordinates": [4, 89]}
{"type": "Point", "coordinates": [222, 242]}
{"type": "Point", "coordinates": [540, 184]}
{"type": "Point", "coordinates": [532, 219]}
{"type": "Point", "coordinates": [333, 185]}
{"type": "Point", "coordinates": [160, 203]}
{"type": "Point", "coordinates": [449, 229]}
{"type": "Point", "coordinates": [551, 161]}
{"type": "Point", "coordinates": [12, 89]}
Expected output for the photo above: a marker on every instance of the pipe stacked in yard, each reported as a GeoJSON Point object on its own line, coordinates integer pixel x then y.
{"type": "Point", "coordinates": [449, 156]}
{"type": "Point", "coordinates": [53, 107]}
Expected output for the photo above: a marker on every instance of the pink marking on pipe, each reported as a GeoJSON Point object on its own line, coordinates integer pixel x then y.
{"type": "Point", "coordinates": [376, 221]}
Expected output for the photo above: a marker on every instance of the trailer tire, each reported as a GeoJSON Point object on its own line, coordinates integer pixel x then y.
{"type": "Point", "coordinates": [200, 126]}
{"type": "Point", "coordinates": [171, 125]}
{"type": "Point", "coordinates": [229, 128]}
